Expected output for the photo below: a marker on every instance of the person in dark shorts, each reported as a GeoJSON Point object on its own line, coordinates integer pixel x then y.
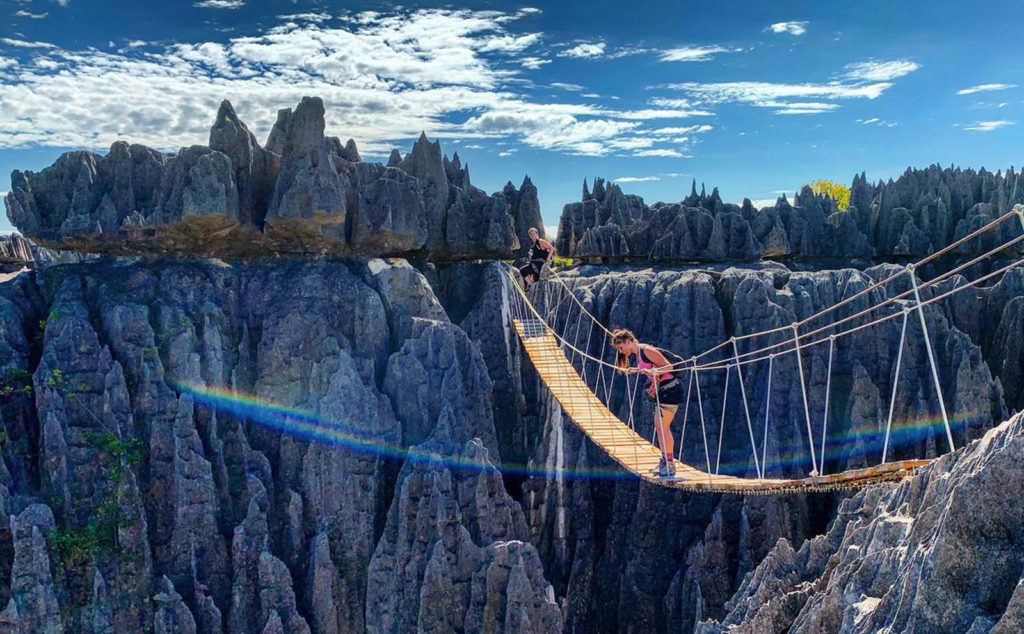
{"type": "Point", "coordinates": [664, 389]}
{"type": "Point", "coordinates": [541, 253]}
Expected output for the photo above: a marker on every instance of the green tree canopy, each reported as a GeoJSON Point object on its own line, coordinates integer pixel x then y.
{"type": "Point", "coordinates": [839, 192]}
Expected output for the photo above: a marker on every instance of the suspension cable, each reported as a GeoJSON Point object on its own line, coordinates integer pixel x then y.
{"type": "Point", "coordinates": [767, 412]}
{"type": "Point", "coordinates": [746, 410]}
{"type": "Point", "coordinates": [895, 384]}
{"type": "Point", "coordinates": [721, 424]}
{"type": "Point", "coordinates": [828, 391]}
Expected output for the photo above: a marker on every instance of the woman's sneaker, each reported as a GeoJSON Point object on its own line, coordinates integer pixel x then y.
{"type": "Point", "coordinates": [667, 470]}
{"type": "Point", "coordinates": [661, 467]}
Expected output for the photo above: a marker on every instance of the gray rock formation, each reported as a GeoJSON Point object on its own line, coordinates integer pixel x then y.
{"type": "Point", "coordinates": [178, 508]}
{"type": "Point", "coordinates": [937, 552]}
{"type": "Point", "coordinates": [304, 193]}
{"type": "Point", "coordinates": [920, 213]}
{"type": "Point", "coordinates": [33, 606]}
{"type": "Point", "coordinates": [454, 555]}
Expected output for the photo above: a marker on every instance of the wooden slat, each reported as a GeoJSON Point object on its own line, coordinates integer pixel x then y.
{"type": "Point", "coordinates": [639, 456]}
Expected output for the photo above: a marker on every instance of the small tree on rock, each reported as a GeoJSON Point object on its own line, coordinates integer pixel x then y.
{"type": "Point", "coordinates": [837, 191]}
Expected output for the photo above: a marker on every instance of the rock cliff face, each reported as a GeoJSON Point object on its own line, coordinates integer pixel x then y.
{"type": "Point", "coordinates": [135, 497]}
{"type": "Point", "coordinates": [939, 552]}
{"type": "Point", "coordinates": [303, 193]}
{"type": "Point", "coordinates": [382, 458]}
{"type": "Point", "coordinates": [918, 214]}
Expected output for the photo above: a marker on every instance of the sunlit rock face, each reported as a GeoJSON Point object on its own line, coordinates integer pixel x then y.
{"type": "Point", "coordinates": [304, 193]}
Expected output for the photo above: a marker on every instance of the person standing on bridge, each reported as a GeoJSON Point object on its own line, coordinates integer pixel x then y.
{"type": "Point", "coordinates": [540, 255]}
{"type": "Point", "coordinates": [664, 389]}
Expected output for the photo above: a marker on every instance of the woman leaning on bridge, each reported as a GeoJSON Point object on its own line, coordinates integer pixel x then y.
{"type": "Point", "coordinates": [664, 389]}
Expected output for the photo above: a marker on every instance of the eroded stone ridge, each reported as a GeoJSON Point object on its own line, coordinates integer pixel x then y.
{"type": "Point", "coordinates": [304, 193]}
{"type": "Point", "coordinates": [939, 552]}
{"type": "Point", "coordinates": [16, 252]}
{"type": "Point", "coordinates": [918, 214]}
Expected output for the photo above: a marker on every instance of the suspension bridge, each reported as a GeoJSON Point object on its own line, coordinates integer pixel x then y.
{"type": "Point", "coordinates": [583, 381]}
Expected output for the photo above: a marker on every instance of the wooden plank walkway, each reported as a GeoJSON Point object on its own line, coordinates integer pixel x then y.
{"type": "Point", "coordinates": [640, 457]}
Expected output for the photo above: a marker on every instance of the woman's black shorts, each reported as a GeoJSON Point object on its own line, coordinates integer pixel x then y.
{"type": "Point", "coordinates": [670, 392]}
{"type": "Point", "coordinates": [532, 268]}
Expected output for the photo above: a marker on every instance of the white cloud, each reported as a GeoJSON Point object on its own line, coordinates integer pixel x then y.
{"type": "Point", "coordinates": [628, 51]}
{"type": "Point", "coordinates": [507, 153]}
{"type": "Point", "coordinates": [760, 203]}
{"type": "Point", "coordinates": [551, 128]}
{"type": "Point", "coordinates": [880, 71]}
{"type": "Point", "coordinates": [584, 50]}
{"type": "Point", "coordinates": [988, 126]}
{"type": "Point", "coordinates": [876, 121]}
{"type": "Point", "coordinates": [7, 62]}
{"type": "Point", "coordinates": [658, 113]}
{"type": "Point", "coordinates": [63, 3]}
{"type": "Point", "coordinates": [306, 17]}
{"type": "Point", "coordinates": [383, 77]}
{"type": "Point", "coordinates": [569, 87]}
{"type": "Point", "coordinates": [660, 152]}
{"type": "Point", "coordinates": [695, 129]}
{"type": "Point", "coordinates": [802, 98]}
{"type": "Point", "coordinates": [21, 13]}
{"type": "Point", "coordinates": [219, 4]}
{"type": "Point", "coordinates": [797, 107]}
{"type": "Point", "coordinates": [533, 63]}
{"type": "Point", "coordinates": [636, 179]}
{"type": "Point", "coordinates": [25, 44]}
{"type": "Point", "coordinates": [984, 88]}
{"type": "Point", "coordinates": [795, 27]}
{"type": "Point", "coordinates": [693, 53]}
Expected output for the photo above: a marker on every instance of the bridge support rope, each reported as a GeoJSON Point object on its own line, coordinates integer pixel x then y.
{"type": "Point", "coordinates": [803, 390]}
{"type": "Point", "coordinates": [828, 391]}
{"type": "Point", "coordinates": [931, 358]}
{"type": "Point", "coordinates": [721, 424]}
{"type": "Point", "coordinates": [767, 414]}
{"type": "Point", "coordinates": [746, 409]}
{"type": "Point", "coordinates": [895, 384]}
{"type": "Point", "coordinates": [700, 408]}
{"type": "Point", "coordinates": [686, 411]}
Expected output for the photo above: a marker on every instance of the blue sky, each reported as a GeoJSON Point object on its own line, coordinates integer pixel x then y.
{"type": "Point", "coordinates": [753, 97]}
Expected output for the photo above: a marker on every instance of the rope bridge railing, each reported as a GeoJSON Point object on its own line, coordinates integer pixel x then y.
{"type": "Point", "coordinates": [560, 304]}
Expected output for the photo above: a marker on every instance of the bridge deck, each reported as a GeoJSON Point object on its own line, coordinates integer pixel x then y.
{"type": "Point", "coordinates": [639, 456]}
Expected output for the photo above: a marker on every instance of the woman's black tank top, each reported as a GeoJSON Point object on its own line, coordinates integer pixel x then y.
{"type": "Point", "coordinates": [537, 253]}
